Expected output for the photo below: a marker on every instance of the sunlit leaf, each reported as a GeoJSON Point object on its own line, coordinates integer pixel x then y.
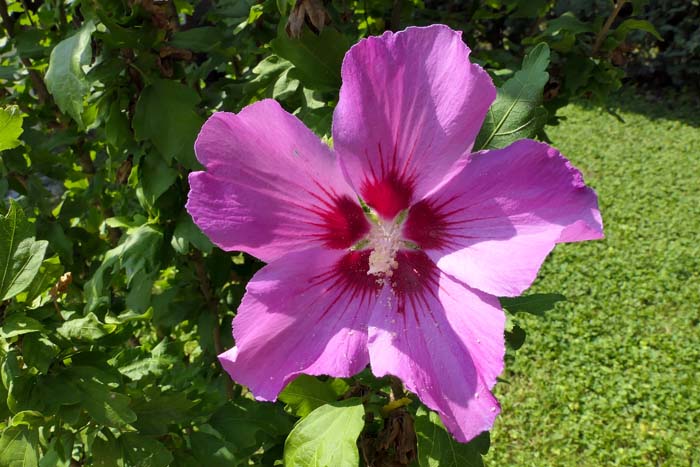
{"type": "Point", "coordinates": [307, 393]}
{"type": "Point", "coordinates": [65, 78]}
{"type": "Point", "coordinates": [10, 127]}
{"type": "Point", "coordinates": [327, 436]}
{"type": "Point", "coordinates": [19, 447]}
{"type": "Point", "coordinates": [20, 254]}
{"type": "Point", "coordinates": [517, 111]}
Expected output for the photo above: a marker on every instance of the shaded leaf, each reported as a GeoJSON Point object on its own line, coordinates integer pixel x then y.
{"type": "Point", "coordinates": [156, 177]}
{"type": "Point", "coordinates": [105, 406]}
{"type": "Point", "coordinates": [566, 23]}
{"type": "Point", "coordinates": [212, 451]}
{"type": "Point", "coordinates": [187, 233]}
{"type": "Point", "coordinates": [201, 39]}
{"type": "Point", "coordinates": [632, 24]}
{"type": "Point", "coordinates": [535, 304]}
{"type": "Point", "coordinates": [247, 423]}
{"type": "Point", "coordinates": [327, 436]}
{"type": "Point", "coordinates": [165, 115]}
{"type": "Point", "coordinates": [142, 451]}
{"type": "Point", "coordinates": [39, 352]}
{"type": "Point", "coordinates": [107, 451]}
{"type": "Point", "coordinates": [515, 337]}
{"type": "Point", "coordinates": [137, 252]}
{"type": "Point", "coordinates": [317, 59]}
{"type": "Point", "coordinates": [436, 448]}
{"type": "Point", "coordinates": [157, 410]}
{"type": "Point", "coordinates": [58, 453]}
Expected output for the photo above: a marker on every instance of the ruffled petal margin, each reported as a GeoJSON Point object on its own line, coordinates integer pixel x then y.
{"type": "Point", "coordinates": [270, 186]}
{"type": "Point", "coordinates": [304, 313]}
{"type": "Point", "coordinates": [443, 340]}
{"type": "Point", "coordinates": [411, 105]}
{"type": "Point", "coordinates": [495, 222]}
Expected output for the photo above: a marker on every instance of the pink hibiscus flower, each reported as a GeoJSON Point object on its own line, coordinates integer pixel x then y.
{"type": "Point", "coordinates": [411, 287]}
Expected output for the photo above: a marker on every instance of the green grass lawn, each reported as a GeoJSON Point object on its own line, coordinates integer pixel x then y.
{"type": "Point", "coordinates": [612, 376]}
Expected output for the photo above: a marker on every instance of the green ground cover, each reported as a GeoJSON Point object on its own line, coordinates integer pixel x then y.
{"type": "Point", "coordinates": [611, 377]}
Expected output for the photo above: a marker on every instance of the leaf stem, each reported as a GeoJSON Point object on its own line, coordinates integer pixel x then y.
{"type": "Point", "coordinates": [602, 34]}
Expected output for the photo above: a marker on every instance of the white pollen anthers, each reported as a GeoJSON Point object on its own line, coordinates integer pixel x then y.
{"type": "Point", "coordinates": [384, 241]}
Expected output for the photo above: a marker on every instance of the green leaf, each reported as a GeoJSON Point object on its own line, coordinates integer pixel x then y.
{"type": "Point", "coordinates": [20, 254]}
{"type": "Point", "coordinates": [107, 451]}
{"type": "Point", "coordinates": [10, 127]}
{"type": "Point", "coordinates": [117, 131]}
{"type": "Point", "coordinates": [156, 177]}
{"type": "Point", "coordinates": [139, 297]}
{"type": "Point", "coordinates": [142, 451]}
{"type": "Point", "coordinates": [517, 112]}
{"type": "Point", "coordinates": [58, 453]}
{"type": "Point", "coordinates": [515, 336]}
{"type": "Point", "coordinates": [436, 448]}
{"type": "Point", "coordinates": [19, 447]}
{"type": "Point", "coordinates": [535, 304]}
{"type": "Point", "coordinates": [105, 406]}
{"type": "Point", "coordinates": [212, 451]}
{"type": "Point", "coordinates": [85, 329]}
{"type": "Point", "coordinates": [137, 252]}
{"type": "Point", "coordinates": [39, 352]}
{"type": "Point", "coordinates": [306, 393]}
{"type": "Point", "coordinates": [158, 362]}
{"type": "Point", "coordinates": [267, 72]}
{"type": "Point", "coordinates": [317, 59]}
{"type": "Point", "coordinates": [165, 115]}
{"type": "Point", "coordinates": [568, 23]}
{"type": "Point", "coordinates": [632, 24]}
{"type": "Point", "coordinates": [59, 390]}
{"type": "Point", "coordinates": [246, 423]}
{"type": "Point", "coordinates": [17, 324]}
{"type": "Point", "coordinates": [65, 78]}
{"type": "Point", "coordinates": [187, 233]}
{"type": "Point", "coordinates": [30, 418]}
{"type": "Point", "coordinates": [157, 410]}
{"type": "Point", "coordinates": [37, 293]}
{"type": "Point", "coordinates": [327, 436]}
{"type": "Point", "coordinates": [201, 39]}
{"type": "Point", "coordinates": [285, 86]}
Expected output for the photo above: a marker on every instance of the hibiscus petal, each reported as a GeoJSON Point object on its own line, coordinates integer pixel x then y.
{"type": "Point", "coordinates": [443, 340]}
{"type": "Point", "coordinates": [270, 185]}
{"type": "Point", "coordinates": [494, 223]}
{"type": "Point", "coordinates": [307, 313]}
{"type": "Point", "coordinates": [410, 106]}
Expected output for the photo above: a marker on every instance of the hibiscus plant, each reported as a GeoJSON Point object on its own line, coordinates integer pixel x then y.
{"type": "Point", "coordinates": [279, 232]}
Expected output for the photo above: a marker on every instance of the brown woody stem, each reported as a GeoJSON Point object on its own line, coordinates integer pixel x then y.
{"type": "Point", "coordinates": [603, 33]}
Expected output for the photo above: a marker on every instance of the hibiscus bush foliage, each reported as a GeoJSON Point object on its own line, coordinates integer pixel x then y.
{"type": "Point", "coordinates": [114, 306]}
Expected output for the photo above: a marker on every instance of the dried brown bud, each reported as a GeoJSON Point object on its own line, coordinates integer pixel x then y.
{"type": "Point", "coordinates": [311, 12]}
{"type": "Point", "coordinates": [62, 285]}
